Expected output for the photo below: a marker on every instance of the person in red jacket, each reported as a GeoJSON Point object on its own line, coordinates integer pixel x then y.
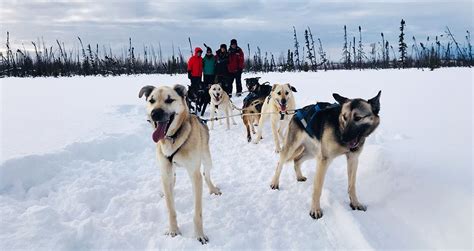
{"type": "Point", "coordinates": [195, 68]}
{"type": "Point", "coordinates": [235, 66]}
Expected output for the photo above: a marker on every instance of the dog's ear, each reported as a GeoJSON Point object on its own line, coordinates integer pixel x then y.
{"type": "Point", "coordinates": [181, 90]}
{"type": "Point", "coordinates": [274, 86]}
{"type": "Point", "coordinates": [375, 103]}
{"type": "Point", "coordinates": [292, 88]}
{"type": "Point", "coordinates": [340, 99]}
{"type": "Point", "coordinates": [146, 90]}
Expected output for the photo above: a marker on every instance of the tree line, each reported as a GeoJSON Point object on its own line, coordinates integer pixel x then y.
{"type": "Point", "coordinates": [56, 60]}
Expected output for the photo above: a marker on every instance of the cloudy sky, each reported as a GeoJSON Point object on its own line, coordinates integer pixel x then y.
{"type": "Point", "coordinates": [263, 23]}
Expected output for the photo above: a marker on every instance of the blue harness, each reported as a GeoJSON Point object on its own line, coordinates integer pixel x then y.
{"type": "Point", "coordinates": [304, 117]}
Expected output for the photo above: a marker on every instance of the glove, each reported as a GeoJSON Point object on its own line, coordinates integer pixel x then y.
{"type": "Point", "coordinates": [189, 74]}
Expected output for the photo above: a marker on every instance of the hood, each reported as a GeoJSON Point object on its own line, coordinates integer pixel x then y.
{"type": "Point", "coordinates": [196, 50]}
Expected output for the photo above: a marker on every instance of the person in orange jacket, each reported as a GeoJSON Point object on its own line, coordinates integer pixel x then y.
{"type": "Point", "coordinates": [195, 68]}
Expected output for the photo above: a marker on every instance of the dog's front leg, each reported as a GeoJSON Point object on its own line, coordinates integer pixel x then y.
{"type": "Point", "coordinates": [352, 163]}
{"type": "Point", "coordinates": [247, 126]}
{"type": "Point", "coordinates": [251, 121]}
{"type": "Point", "coordinates": [261, 121]}
{"type": "Point", "coordinates": [276, 136]}
{"type": "Point", "coordinates": [196, 179]}
{"type": "Point", "coordinates": [227, 119]}
{"type": "Point", "coordinates": [323, 163]}
{"type": "Point", "coordinates": [213, 111]}
{"type": "Point", "coordinates": [168, 179]}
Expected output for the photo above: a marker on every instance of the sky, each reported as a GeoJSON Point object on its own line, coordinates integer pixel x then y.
{"type": "Point", "coordinates": [264, 23]}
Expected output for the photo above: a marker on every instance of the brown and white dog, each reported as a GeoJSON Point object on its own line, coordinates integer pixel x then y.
{"type": "Point", "coordinates": [181, 140]}
{"type": "Point", "coordinates": [281, 99]}
{"type": "Point", "coordinates": [251, 115]}
{"type": "Point", "coordinates": [220, 102]}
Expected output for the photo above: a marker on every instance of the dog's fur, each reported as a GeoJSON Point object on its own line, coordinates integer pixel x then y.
{"type": "Point", "coordinates": [220, 102]}
{"type": "Point", "coordinates": [339, 130]}
{"type": "Point", "coordinates": [251, 115]}
{"type": "Point", "coordinates": [281, 99]}
{"type": "Point", "coordinates": [185, 143]}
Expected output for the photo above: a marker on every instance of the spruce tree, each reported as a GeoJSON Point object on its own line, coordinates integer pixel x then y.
{"type": "Point", "coordinates": [402, 46]}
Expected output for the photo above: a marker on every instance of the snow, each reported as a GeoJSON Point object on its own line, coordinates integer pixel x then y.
{"type": "Point", "coordinates": [78, 169]}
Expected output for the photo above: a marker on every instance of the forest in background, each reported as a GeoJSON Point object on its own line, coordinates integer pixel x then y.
{"type": "Point", "coordinates": [307, 53]}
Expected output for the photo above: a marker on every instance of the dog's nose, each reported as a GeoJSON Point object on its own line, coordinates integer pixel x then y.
{"type": "Point", "coordinates": [157, 114]}
{"type": "Point", "coordinates": [283, 101]}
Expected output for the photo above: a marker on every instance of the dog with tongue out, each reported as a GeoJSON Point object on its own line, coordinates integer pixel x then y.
{"type": "Point", "coordinates": [276, 106]}
{"type": "Point", "coordinates": [182, 140]}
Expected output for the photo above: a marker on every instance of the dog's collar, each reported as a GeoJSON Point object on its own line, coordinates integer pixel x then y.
{"type": "Point", "coordinates": [173, 139]}
{"type": "Point", "coordinates": [174, 136]}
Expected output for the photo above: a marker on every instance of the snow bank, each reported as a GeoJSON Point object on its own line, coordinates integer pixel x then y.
{"type": "Point", "coordinates": [78, 169]}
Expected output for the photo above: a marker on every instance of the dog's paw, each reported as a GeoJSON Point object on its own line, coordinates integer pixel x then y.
{"type": "Point", "coordinates": [277, 150]}
{"type": "Point", "coordinates": [301, 179]}
{"type": "Point", "coordinates": [249, 139]}
{"type": "Point", "coordinates": [203, 239]}
{"type": "Point", "coordinates": [316, 213]}
{"type": "Point", "coordinates": [275, 186]}
{"type": "Point", "coordinates": [215, 191]}
{"type": "Point", "coordinates": [173, 232]}
{"type": "Point", "coordinates": [358, 206]}
{"type": "Point", "coordinates": [255, 141]}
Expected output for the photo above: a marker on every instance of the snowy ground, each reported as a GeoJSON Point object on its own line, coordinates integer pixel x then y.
{"type": "Point", "coordinates": [77, 169]}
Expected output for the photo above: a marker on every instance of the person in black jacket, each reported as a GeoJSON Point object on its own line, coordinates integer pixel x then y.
{"type": "Point", "coordinates": [222, 72]}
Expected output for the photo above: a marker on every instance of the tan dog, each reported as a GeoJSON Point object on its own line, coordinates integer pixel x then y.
{"type": "Point", "coordinates": [336, 130]}
{"type": "Point", "coordinates": [220, 102]}
{"type": "Point", "coordinates": [181, 140]}
{"type": "Point", "coordinates": [251, 116]}
{"type": "Point", "coordinates": [281, 99]}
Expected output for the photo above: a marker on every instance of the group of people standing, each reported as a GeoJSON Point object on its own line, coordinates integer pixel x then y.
{"type": "Point", "coordinates": [223, 68]}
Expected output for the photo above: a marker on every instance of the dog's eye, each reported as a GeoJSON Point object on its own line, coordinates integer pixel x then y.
{"type": "Point", "coordinates": [152, 101]}
{"type": "Point", "coordinates": [286, 93]}
{"type": "Point", "coordinates": [169, 100]}
{"type": "Point", "coordinates": [357, 118]}
{"type": "Point", "coordinates": [279, 93]}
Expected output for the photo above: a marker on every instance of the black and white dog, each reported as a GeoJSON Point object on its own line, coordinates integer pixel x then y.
{"type": "Point", "coordinates": [198, 99]}
{"type": "Point", "coordinates": [256, 90]}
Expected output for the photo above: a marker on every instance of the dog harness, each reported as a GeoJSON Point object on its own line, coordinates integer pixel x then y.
{"type": "Point", "coordinates": [173, 138]}
{"type": "Point", "coordinates": [308, 114]}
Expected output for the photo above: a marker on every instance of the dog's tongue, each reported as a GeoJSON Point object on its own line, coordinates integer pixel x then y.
{"type": "Point", "coordinates": [353, 143]}
{"type": "Point", "coordinates": [160, 131]}
{"type": "Point", "coordinates": [283, 108]}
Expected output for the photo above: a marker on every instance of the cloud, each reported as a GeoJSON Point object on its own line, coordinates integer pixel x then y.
{"type": "Point", "coordinates": [263, 23]}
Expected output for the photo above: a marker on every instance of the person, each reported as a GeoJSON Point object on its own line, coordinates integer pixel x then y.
{"type": "Point", "coordinates": [235, 66]}
{"type": "Point", "coordinates": [209, 67]}
{"type": "Point", "coordinates": [195, 69]}
{"type": "Point", "coordinates": [222, 73]}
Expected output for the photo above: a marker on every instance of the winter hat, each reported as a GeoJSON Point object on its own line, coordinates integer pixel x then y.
{"type": "Point", "coordinates": [223, 46]}
{"type": "Point", "coordinates": [197, 49]}
{"type": "Point", "coordinates": [233, 41]}
{"type": "Point", "coordinates": [208, 50]}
